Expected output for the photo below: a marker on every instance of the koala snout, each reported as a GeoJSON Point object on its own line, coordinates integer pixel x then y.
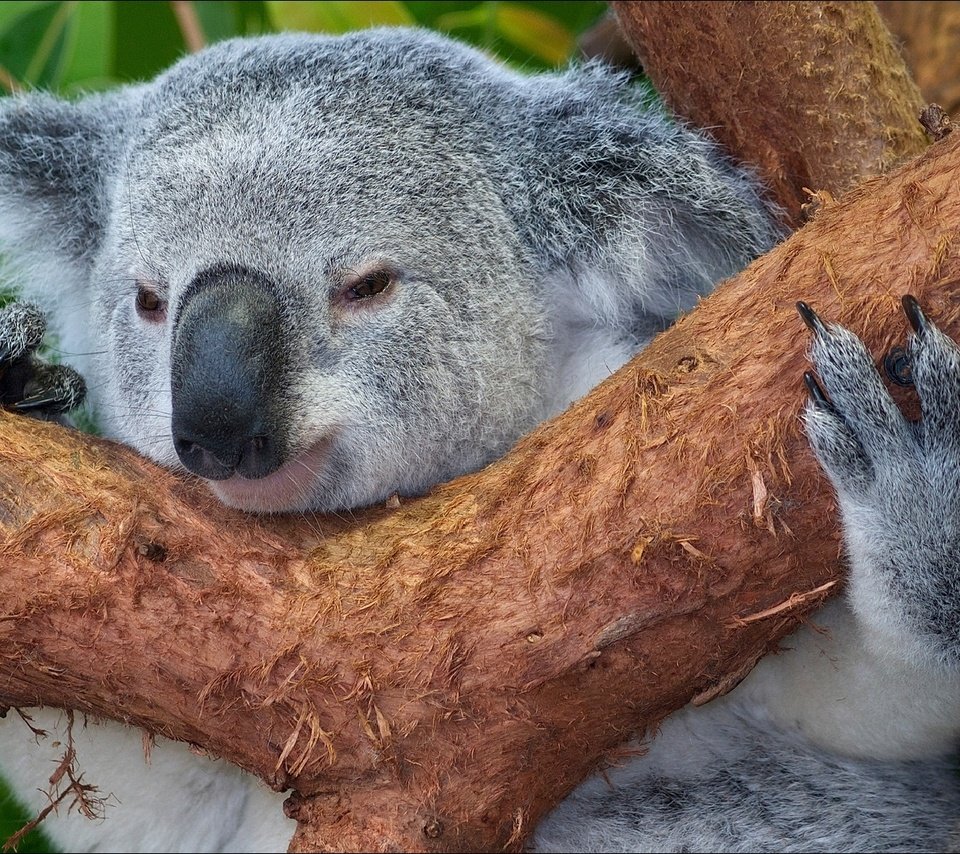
{"type": "Point", "coordinates": [227, 375]}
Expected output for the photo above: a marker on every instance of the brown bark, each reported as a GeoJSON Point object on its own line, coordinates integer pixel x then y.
{"type": "Point", "coordinates": [437, 677]}
{"type": "Point", "coordinates": [928, 32]}
{"type": "Point", "coordinates": [813, 94]}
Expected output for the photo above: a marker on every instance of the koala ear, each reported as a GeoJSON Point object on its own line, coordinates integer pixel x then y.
{"type": "Point", "coordinates": [55, 160]}
{"type": "Point", "coordinates": [645, 213]}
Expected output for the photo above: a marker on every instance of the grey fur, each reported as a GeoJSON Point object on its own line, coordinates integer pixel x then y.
{"type": "Point", "coordinates": [539, 207]}
{"type": "Point", "coordinates": [761, 789]}
{"type": "Point", "coordinates": [22, 327]}
{"type": "Point", "coordinates": [899, 483]}
{"type": "Point", "coordinates": [27, 383]}
{"type": "Point", "coordinates": [538, 231]}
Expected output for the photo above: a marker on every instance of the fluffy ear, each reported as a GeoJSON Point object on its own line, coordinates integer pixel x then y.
{"type": "Point", "coordinates": [645, 214]}
{"type": "Point", "coordinates": [55, 160]}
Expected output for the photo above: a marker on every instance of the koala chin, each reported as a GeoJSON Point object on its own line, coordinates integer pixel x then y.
{"type": "Point", "coordinates": [317, 271]}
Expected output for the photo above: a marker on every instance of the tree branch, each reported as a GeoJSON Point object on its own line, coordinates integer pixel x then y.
{"type": "Point", "coordinates": [815, 95]}
{"type": "Point", "coordinates": [429, 678]}
{"type": "Point", "coordinates": [929, 33]}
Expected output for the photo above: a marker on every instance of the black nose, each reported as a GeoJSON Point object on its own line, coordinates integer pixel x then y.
{"type": "Point", "coordinates": [228, 363]}
{"type": "Point", "coordinates": [223, 454]}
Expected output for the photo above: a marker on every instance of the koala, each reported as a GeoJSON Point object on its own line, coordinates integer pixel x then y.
{"type": "Point", "coordinates": [317, 271]}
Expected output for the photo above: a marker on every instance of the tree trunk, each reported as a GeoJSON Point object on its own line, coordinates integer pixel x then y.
{"type": "Point", "coordinates": [815, 95]}
{"type": "Point", "coordinates": [929, 33]}
{"type": "Point", "coordinates": [439, 676]}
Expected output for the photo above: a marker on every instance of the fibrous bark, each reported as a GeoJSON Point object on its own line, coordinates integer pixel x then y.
{"type": "Point", "coordinates": [928, 32]}
{"type": "Point", "coordinates": [815, 95]}
{"type": "Point", "coordinates": [438, 676]}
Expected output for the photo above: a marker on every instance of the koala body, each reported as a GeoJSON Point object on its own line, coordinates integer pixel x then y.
{"type": "Point", "coordinates": [316, 271]}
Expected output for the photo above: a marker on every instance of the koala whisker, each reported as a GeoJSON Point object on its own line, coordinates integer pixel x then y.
{"type": "Point", "coordinates": [156, 439]}
{"type": "Point", "coordinates": [58, 351]}
{"type": "Point", "coordinates": [310, 520]}
{"type": "Point", "coordinates": [139, 412]}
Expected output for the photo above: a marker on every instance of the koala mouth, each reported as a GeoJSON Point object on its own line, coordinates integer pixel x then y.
{"type": "Point", "coordinates": [292, 487]}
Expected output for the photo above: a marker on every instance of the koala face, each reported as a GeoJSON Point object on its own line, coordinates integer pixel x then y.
{"type": "Point", "coordinates": [300, 297]}
{"type": "Point", "coordinates": [315, 271]}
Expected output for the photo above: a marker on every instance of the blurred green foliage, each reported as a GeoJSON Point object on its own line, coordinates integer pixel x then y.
{"type": "Point", "coordinates": [73, 47]}
{"type": "Point", "coordinates": [12, 818]}
{"type": "Point", "coordinates": [82, 46]}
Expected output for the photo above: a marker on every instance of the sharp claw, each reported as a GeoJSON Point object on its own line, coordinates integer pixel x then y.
{"type": "Point", "coordinates": [811, 318]}
{"type": "Point", "coordinates": [63, 396]}
{"type": "Point", "coordinates": [918, 320]}
{"type": "Point", "coordinates": [817, 393]}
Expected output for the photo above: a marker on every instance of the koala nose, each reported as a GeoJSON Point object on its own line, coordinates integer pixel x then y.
{"type": "Point", "coordinates": [228, 362]}
{"type": "Point", "coordinates": [218, 458]}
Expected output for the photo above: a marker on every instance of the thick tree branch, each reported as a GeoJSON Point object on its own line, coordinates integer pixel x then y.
{"type": "Point", "coordinates": [815, 95]}
{"type": "Point", "coordinates": [440, 675]}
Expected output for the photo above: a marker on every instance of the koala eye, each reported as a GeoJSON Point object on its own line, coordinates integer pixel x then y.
{"type": "Point", "coordinates": [369, 285]}
{"type": "Point", "coordinates": [149, 304]}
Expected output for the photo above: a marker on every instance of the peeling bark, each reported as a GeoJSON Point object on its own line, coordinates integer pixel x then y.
{"type": "Point", "coordinates": [437, 677]}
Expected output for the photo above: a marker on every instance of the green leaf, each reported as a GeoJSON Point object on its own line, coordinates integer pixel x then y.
{"type": "Point", "coordinates": [535, 32]}
{"type": "Point", "coordinates": [20, 38]}
{"type": "Point", "coordinates": [48, 58]}
{"type": "Point", "coordinates": [576, 17]}
{"type": "Point", "coordinates": [336, 17]}
{"type": "Point", "coordinates": [252, 16]}
{"type": "Point", "coordinates": [88, 52]}
{"type": "Point", "coordinates": [533, 35]}
{"type": "Point", "coordinates": [146, 39]}
{"type": "Point", "coordinates": [481, 15]}
{"type": "Point", "coordinates": [217, 20]}
{"type": "Point", "coordinates": [224, 20]}
{"type": "Point", "coordinates": [13, 817]}
{"type": "Point", "coordinates": [9, 12]}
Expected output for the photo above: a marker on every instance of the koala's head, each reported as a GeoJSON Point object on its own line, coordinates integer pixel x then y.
{"type": "Point", "coordinates": [290, 263]}
{"type": "Point", "coordinates": [315, 271]}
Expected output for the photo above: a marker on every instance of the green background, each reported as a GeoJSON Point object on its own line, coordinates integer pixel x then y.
{"type": "Point", "coordinates": [76, 47]}
{"type": "Point", "coordinates": [79, 46]}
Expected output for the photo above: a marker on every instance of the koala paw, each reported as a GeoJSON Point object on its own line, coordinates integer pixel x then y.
{"type": "Point", "coordinates": [28, 384]}
{"type": "Point", "coordinates": [898, 482]}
